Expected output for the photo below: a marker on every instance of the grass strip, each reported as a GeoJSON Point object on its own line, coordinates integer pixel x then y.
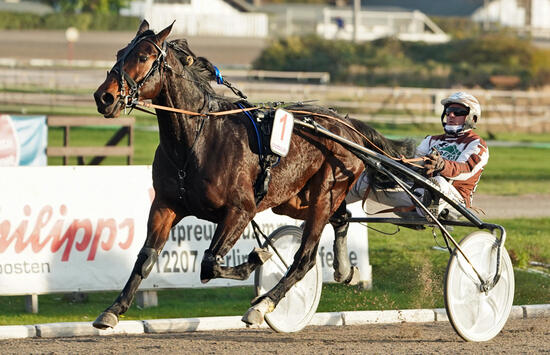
{"type": "Point", "coordinates": [408, 273]}
{"type": "Point", "coordinates": [510, 171]}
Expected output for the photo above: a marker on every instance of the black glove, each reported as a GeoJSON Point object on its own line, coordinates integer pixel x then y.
{"type": "Point", "coordinates": [434, 163]}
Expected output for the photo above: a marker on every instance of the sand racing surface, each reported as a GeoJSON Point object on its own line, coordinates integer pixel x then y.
{"type": "Point", "coordinates": [519, 336]}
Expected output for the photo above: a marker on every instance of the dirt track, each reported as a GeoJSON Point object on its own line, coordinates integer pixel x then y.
{"type": "Point", "coordinates": [523, 206]}
{"type": "Point", "coordinates": [104, 45]}
{"type": "Point", "coordinates": [527, 336]}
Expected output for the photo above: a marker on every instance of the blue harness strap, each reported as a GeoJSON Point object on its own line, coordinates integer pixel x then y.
{"type": "Point", "coordinates": [258, 137]}
{"type": "Point", "coordinates": [219, 77]}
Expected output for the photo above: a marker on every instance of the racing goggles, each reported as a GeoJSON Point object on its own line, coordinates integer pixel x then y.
{"type": "Point", "coordinates": [458, 111]}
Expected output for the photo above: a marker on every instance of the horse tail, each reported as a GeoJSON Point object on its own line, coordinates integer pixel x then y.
{"type": "Point", "coordinates": [376, 141]}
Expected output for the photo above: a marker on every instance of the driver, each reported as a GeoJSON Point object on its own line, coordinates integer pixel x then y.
{"type": "Point", "coordinates": [454, 161]}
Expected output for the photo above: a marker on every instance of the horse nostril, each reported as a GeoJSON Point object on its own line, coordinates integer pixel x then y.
{"type": "Point", "coordinates": [107, 99]}
{"type": "Point", "coordinates": [103, 98]}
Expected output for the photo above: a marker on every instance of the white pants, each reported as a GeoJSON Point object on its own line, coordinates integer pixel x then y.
{"type": "Point", "coordinates": [397, 197]}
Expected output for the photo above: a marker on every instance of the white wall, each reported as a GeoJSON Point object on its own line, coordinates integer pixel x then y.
{"type": "Point", "coordinates": [407, 26]}
{"type": "Point", "coordinates": [80, 228]}
{"type": "Point", "coordinates": [505, 12]}
{"type": "Point", "coordinates": [206, 18]}
{"type": "Point", "coordinates": [540, 14]}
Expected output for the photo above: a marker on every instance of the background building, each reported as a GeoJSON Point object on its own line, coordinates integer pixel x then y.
{"type": "Point", "coordinates": [232, 18]}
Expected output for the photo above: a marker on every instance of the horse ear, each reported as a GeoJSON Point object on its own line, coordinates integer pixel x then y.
{"type": "Point", "coordinates": [143, 27]}
{"type": "Point", "coordinates": [161, 36]}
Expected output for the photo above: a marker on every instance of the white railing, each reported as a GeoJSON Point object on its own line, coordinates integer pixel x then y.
{"type": "Point", "coordinates": [521, 109]}
{"type": "Point", "coordinates": [407, 26]}
{"type": "Point", "coordinates": [192, 23]}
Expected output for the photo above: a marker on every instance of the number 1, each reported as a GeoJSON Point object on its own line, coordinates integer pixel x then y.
{"type": "Point", "coordinates": [283, 120]}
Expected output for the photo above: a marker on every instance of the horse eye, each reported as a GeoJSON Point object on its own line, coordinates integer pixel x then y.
{"type": "Point", "coordinates": [143, 58]}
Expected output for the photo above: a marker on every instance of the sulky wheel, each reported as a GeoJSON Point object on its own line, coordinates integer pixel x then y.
{"type": "Point", "coordinates": [474, 314]}
{"type": "Point", "coordinates": [296, 309]}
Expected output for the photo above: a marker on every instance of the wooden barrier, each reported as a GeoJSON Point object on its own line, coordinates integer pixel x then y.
{"type": "Point", "coordinates": [98, 153]}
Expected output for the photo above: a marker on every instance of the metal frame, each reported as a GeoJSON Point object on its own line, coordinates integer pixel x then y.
{"type": "Point", "coordinates": [390, 167]}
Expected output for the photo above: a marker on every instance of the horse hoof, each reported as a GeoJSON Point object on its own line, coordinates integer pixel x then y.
{"type": "Point", "coordinates": [352, 278]}
{"type": "Point", "coordinates": [355, 276]}
{"type": "Point", "coordinates": [106, 320]}
{"type": "Point", "coordinates": [255, 314]}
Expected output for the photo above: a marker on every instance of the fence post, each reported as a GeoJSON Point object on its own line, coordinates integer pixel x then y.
{"type": "Point", "coordinates": [146, 299]}
{"type": "Point", "coordinates": [31, 303]}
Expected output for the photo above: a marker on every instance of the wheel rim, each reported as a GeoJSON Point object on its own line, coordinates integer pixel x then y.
{"type": "Point", "coordinates": [296, 309]}
{"type": "Point", "coordinates": [476, 315]}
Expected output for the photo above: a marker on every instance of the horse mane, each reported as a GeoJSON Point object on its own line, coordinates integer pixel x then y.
{"type": "Point", "coordinates": [394, 148]}
{"type": "Point", "coordinates": [201, 71]}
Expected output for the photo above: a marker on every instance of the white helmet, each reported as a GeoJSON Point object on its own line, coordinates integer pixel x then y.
{"type": "Point", "coordinates": [467, 100]}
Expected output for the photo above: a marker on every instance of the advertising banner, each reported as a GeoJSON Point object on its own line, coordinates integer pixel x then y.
{"type": "Point", "coordinates": [23, 140]}
{"type": "Point", "coordinates": [80, 228]}
{"type": "Point", "coordinates": [9, 142]}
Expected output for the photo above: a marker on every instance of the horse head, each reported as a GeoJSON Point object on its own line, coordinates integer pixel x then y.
{"type": "Point", "coordinates": [137, 73]}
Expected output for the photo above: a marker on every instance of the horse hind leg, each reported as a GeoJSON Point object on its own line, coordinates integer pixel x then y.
{"type": "Point", "coordinates": [344, 272]}
{"type": "Point", "coordinates": [213, 265]}
{"type": "Point", "coordinates": [227, 233]}
{"type": "Point", "coordinates": [161, 219]}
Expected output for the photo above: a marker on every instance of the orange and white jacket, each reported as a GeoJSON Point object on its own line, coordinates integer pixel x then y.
{"type": "Point", "coordinates": [465, 157]}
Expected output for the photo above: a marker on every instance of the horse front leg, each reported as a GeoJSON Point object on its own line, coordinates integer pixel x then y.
{"type": "Point", "coordinates": [161, 219]}
{"type": "Point", "coordinates": [226, 235]}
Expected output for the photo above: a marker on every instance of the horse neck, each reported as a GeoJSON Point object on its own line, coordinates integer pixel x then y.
{"type": "Point", "coordinates": [176, 131]}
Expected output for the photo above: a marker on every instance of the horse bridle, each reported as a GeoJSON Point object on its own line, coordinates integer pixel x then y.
{"type": "Point", "coordinates": [131, 97]}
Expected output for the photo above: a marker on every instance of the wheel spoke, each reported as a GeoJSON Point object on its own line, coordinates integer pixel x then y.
{"type": "Point", "coordinates": [467, 269]}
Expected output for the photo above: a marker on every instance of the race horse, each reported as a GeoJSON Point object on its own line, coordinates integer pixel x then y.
{"type": "Point", "coordinates": [208, 164]}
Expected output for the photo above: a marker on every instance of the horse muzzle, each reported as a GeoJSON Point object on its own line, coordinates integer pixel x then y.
{"type": "Point", "coordinates": [107, 104]}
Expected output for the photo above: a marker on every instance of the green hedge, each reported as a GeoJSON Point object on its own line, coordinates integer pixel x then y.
{"type": "Point", "coordinates": [470, 62]}
{"type": "Point", "coordinates": [19, 21]}
{"type": "Point", "coordinates": [56, 21]}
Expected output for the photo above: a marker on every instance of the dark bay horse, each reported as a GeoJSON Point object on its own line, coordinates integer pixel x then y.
{"type": "Point", "coordinates": [207, 166]}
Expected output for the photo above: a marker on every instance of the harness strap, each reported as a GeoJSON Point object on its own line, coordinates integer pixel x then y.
{"type": "Point", "coordinates": [219, 77]}
{"type": "Point", "coordinates": [192, 113]}
{"type": "Point", "coordinates": [258, 137]}
{"type": "Point", "coordinates": [182, 171]}
{"type": "Point", "coordinates": [409, 161]}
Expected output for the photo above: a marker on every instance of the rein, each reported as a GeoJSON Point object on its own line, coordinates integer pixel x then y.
{"type": "Point", "coordinates": [409, 161]}
{"type": "Point", "coordinates": [402, 159]}
{"type": "Point", "coordinates": [192, 113]}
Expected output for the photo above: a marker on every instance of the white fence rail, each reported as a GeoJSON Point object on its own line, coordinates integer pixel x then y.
{"type": "Point", "coordinates": [526, 110]}
{"type": "Point", "coordinates": [405, 25]}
